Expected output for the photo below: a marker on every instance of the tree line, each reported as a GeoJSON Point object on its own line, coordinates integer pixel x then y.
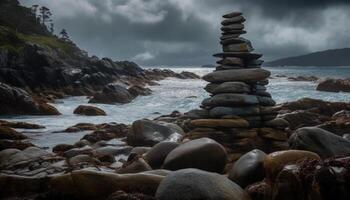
{"type": "Point", "coordinates": [43, 15]}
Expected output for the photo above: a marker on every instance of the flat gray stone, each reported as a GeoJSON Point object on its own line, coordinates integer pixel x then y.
{"type": "Point", "coordinates": [233, 20]}
{"type": "Point", "coordinates": [218, 112]}
{"type": "Point", "coordinates": [243, 75]}
{"type": "Point", "coordinates": [232, 14]}
{"type": "Point", "coordinates": [230, 87]}
{"type": "Point", "coordinates": [244, 55]}
{"type": "Point", "coordinates": [233, 27]}
{"type": "Point", "coordinates": [230, 99]}
{"type": "Point", "coordinates": [231, 61]}
{"type": "Point", "coordinates": [242, 47]}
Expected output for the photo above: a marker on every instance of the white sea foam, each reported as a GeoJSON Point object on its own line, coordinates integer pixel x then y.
{"type": "Point", "coordinates": [172, 94]}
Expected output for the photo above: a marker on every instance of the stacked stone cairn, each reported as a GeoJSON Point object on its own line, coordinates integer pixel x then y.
{"type": "Point", "coordinates": [239, 114]}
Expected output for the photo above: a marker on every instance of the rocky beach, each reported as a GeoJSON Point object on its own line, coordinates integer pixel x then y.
{"type": "Point", "coordinates": [74, 126]}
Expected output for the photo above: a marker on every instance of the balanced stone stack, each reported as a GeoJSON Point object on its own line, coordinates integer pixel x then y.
{"type": "Point", "coordinates": [239, 113]}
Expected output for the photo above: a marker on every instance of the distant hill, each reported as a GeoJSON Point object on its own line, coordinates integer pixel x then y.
{"type": "Point", "coordinates": [332, 57]}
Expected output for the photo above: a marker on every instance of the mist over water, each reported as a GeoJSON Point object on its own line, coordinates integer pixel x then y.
{"type": "Point", "coordinates": [172, 94]}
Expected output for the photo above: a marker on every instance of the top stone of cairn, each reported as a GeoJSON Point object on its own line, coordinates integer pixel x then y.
{"type": "Point", "coordinates": [232, 14]}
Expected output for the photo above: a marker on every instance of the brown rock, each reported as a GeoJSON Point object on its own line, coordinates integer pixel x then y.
{"type": "Point", "coordinates": [10, 134]}
{"type": "Point", "coordinates": [224, 123]}
{"type": "Point", "coordinates": [276, 161]}
{"type": "Point", "coordinates": [89, 111]}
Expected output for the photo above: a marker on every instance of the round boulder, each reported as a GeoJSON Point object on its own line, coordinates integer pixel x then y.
{"type": "Point", "coordinates": [204, 153]}
{"type": "Point", "coordinates": [276, 161]}
{"type": "Point", "coordinates": [89, 111]}
{"type": "Point", "coordinates": [249, 168]}
{"type": "Point", "coordinates": [193, 184]}
{"type": "Point", "coordinates": [324, 143]}
{"type": "Point", "coordinates": [156, 156]}
{"type": "Point", "coordinates": [149, 133]}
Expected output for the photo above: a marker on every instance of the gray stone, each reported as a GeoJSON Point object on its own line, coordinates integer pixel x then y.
{"type": "Point", "coordinates": [230, 99]}
{"type": "Point", "coordinates": [233, 20]}
{"type": "Point", "coordinates": [242, 47]}
{"type": "Point", "coordinates": [232, 27]}
{"type": "Point", "coordinates": [227, 67]}
{"type": "Point", "coordinates": [232, 14]}
{"type": "Point", "coordinates": [232, 62]}
{"type": "Point", "coordinates": [244, 55]}
{"type": "Point", "coordinates": [248, 169]}
{"type": "Point", "coordinates": [149, 133]}
{"type": "Point", "coordinates": [192, 184]}
{"type": "Point", "coordinates": [218, 112]}
{"type": "Point", "coordinates": [266, 101]}
{"type": "Point", "coordinates": [230, 87]}
{"type": "Point", "coordinates": [324, 143]}
{"type": "Point", "coordinates": [204, 153]}
{"type": "Point", "coordinates": [156, 156]}
{"type": "Point", "coordinates": [229, 36]}
{"type": "Point", "coordinates": [197, 114]}
{"type": "Point", "coordinates": [237, 75]}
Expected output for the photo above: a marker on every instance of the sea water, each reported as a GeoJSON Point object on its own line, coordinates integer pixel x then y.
{"type": "Point", "coordinates": [172, 94]}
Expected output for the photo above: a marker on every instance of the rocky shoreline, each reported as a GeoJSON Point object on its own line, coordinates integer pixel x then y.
{"type": "Point", "coordinates": [249, 148]}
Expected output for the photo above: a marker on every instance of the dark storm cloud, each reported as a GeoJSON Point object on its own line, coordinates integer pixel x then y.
{"type": "Point", "coordinates": [186, 32]}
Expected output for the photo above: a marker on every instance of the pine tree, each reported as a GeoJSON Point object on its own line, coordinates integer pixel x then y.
{"type": "Point", "coordinates": [64, 34]}
{"type": "Point", "coordinates": [45, 14]}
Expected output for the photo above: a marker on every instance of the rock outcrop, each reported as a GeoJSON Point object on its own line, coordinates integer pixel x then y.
{"type": "Point", "coordinates": [14, 100]}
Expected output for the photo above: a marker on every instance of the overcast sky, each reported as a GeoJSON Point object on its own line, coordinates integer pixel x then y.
{"type": "Point", "coordinates": [186, 32]}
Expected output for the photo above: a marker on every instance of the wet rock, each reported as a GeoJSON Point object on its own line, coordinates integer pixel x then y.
{"type": "Point", "coordinates": [276, 161]}
{"type": "Point", "coordinates": [14, 144]}
{"type": "Point", "coordinates": [218, 112]}
{"type": "Point", "coordinates": [197, 114]}
{"type": "Point", "coordinates": [121, 195]}
{"type": "Point", "coordinates": [228, 87]}
{"type": "Point", "coordinates": [60, 148]}
{"type": "Point", "coordinates": [316, 106]}
{"type": "Point", "coordinates": [107, 132]}
{"type": "Point", "coordinates": [298, 119]}
{"type": "Point", "coordinates": [14, 100]}
{"type": "Point", "coordinates": [324, 143]}
{"type": "Point", "coordinates": [136, 165]}
{"type": "Point", "coordinates": [89, 111]}
{"type": "Point", "coordinates": [139, 91]}
{"type": "Point", "coordinates": [279, 123]}
{"type": "Point", "coordinates": [11, 157]}
{"type": "Point", "coordinates": [230, 99]}
{"type": "Point", "coordinates": [112, 94]}
{"type": "Point", "coordinates": [78, 151]}
{"type": "Point", "coordinates": [156, 156]}
{"type": "Point", "coordinates": [226, 123]}
{"type": "Point", "coordinates": [140, 150]}
{"type": "Point", "coordinates": [273, 134]}
{"type": "Point", "coordinates": [237, 75]}
{"type": "Point", "coordinates": [81, 160]}
{"type": "Point", "coordinates": [113, 151]}
{"type": "Point", "coordinates": [303, 78]}
{"type": "Point", "coordinates": [81, 127]}
{"type": "Point", "coordinates": [259, 191]}
{"type": "Point", "coordinates": [248, 169]}
{"type": "Point", "coordinates": [198, 185]}
{"type": "Point", "coordinates": [100, 185]}
{"type": "Point", "coordinates": [149, 133]}
{"type": "Point", "coordinates": [23, 125]}
{"type": "Point", "coordinates": [10, 134]}
{"type": "Point", "coordinates": [334, 85]}
{"type": "Point", "coordinates": [288, 185]}
{"type": "Point", "coordinates": [204, 153]}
